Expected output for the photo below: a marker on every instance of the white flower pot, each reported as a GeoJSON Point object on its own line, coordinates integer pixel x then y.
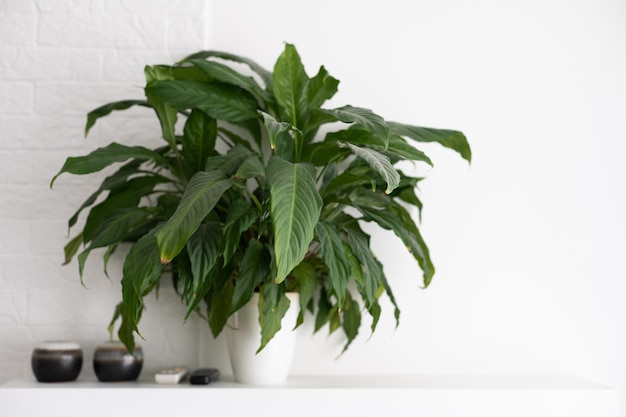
{"type": "Point", "coordinates": [243, 336]}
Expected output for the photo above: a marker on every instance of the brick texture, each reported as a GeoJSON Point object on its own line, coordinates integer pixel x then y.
{"type": "Point", "coordinates": [60, 59]}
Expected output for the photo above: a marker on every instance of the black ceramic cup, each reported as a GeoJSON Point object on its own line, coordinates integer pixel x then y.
{"type": "Point", "coordinates": [57, 361]}
{"type": "Point", "coordinates": [112, 362]}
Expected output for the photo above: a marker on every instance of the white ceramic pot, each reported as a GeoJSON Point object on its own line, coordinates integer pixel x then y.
{"type": "Point", "coordinates": [243, 336]}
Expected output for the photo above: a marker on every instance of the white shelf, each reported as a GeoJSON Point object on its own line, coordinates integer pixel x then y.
{"type": "Point", "coordinates": [303, 396]}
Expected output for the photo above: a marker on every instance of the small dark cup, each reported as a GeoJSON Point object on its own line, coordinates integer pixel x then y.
{"type": "Point", "coordinates": [112, 362]}
{"type": "Point", "coordinates": [57, 361]}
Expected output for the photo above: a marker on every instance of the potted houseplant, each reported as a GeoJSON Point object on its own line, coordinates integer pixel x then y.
{"type": "Point", "coordinates": [250, 197]}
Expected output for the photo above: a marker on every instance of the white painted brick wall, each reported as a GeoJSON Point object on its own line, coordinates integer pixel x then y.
{"type": "Point", "coordinates": [58, 60]}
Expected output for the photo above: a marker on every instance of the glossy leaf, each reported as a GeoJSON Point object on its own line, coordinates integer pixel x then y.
{"type": "Point", "coordinates": [254, 268]}
{"type": "Point", "coordinates": [364, 117]}
{"type": "Point", "coordinates": [320, 88]}
{"type": "Point", "coordinates": [379, 163]}
{"type": "Point", "coordinates": [221, 298]}
{"type": "Point", "coordinates": [273, 304]}
{"type": "Point", "coordinates": [199, 136]}
{"type": "Point", "coordinates": [290, 85]}
{"type": "Point", "coordinates": [448, 138]}
{"type": "Point", "coordinates": [103, 157]}
{"type": "Point", "coordinates": [141, 270]}
{"type": "Point", "coordinates": [239, 219]}
{"type": "Point", "coordinates": [333, 255]}
{"type": "Point", "coordinates": [105, 110]}
{"type": "Point", "coordinates": [295, 210]}
{"type": "Point", "coordinates": [220, 101]}
{"type": "Point", "coordinates": [202, 193]}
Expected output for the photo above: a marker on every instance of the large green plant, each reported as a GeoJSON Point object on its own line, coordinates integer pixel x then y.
{"type": "Point", "coordinates": [250, 196]}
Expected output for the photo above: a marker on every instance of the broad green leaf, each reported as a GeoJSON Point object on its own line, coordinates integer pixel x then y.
{"type": "Point", "coordinates": [379, 163]}
{"type": "Point", "coordinates": [254, 268]}
{"type": "Point", "coordinates": [71, 248]}
{"type": "Point", "coordinates": [374, 311]}
{"type": "Point", "coordinates": [225, 74]}
{"type": "Point", "coordinates": [448, 138]}
{"type": "Point", "coordinates": [273, 304]}
{"type": "Point", "coordinates": [141, 271]}
{"type": "Point", "coordinates": [252, 167]}
{"type": "Point", "coordinates": [202, 193]}
{"type": "Point", "coordinates": [241, 216]}
{"type": "Point", "coordinates": [118, 225]}
{"type": "Point", "coordinates": [334, 257]}
{"type": "Point", "coordinates": [306, 276]}
{"type": "Point", "coordinates": [371, 268]}
{"type": "Point", "coordinates": [324, 308]}
{"type": "Point", "coordinates": [221, 298]}
{"type": "Point", "coordinates": [290, 85]}
{"type": "Point", "coordinates": [322, 87]}
{"type": "Point", "coordinates": [356, 268]}
{"type": "Point", "coordinates": [166, 114]}
{"type": "Point", "coordinates": [365, 118]}
{"type": "Point", "coordinates": [351, 320]}
{"type": "Point", "coordinates": [265, 75]}
{"type": "Point", "coordinates": [395, 217]}
{"type": "Point", "coordinates": [295, 210]}
{"type": "Point", "coordinates": [103, 157]}
{"type": "Point", "coordinates": [203, 249]}
{"type": "Point", "coordinates": [397, 145]}
{"type": "Point", "coordinates": [346, 181]}
{"type": "Point", "coordinates": [199, 136]}
{"type": "Point", "coordinates": [274, 127]}
{"type": "Point", "coordinates": [105, 110]}
{"type": "Point", "coordinates": [229, 163]}
{"type": "Point", "coordinates": [126, 195]}
{"type": "Point", "coordinates": [324, 153]}
{"type": "Point", "coordinates": [220, 101]}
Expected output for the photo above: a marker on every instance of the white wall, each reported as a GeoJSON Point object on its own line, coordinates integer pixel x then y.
{"type": "Point", "coordinates": [527, 241]}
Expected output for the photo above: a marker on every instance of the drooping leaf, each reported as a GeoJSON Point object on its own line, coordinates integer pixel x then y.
{"type": "Point", "coordinates": [118, 225]}
{"type": "Point", "coordinates": [306, 276]}
{"type": "Point", "coordinates": [225, 74]}
{"type": "Point", "coordinates": [166, 114]}
{"type": "Point", "coordinates": [254, 268]}
{"type": "Point", "coordinates": [252, 167]}
{"type": "Point", "coordinates": [203, 249]}
{"type": "Point", "coordinates": [103, 157]}
{"type": "Point", "coordinates": [364, 117]}
{"type": "Point", "coordinates": [202, 193]}
{"type": "Point", "coordinates": [379, 163]}
{"type": "Point", "coordinates": [351, 320]}
{"type": "Point", "coordinates": [218, 100]}
{"type": "Point", "coordinates": [273, 304]}
{"type": "Point", "coordinates": [334, 257]}
{"type": "Point", "coordinates": [265, 75]}
{"type": "Point", "coordinates": [105, 110]}
{"type": "Point", "coordinates": [324, 308]}
{"type": "Point", "coordinates": [199, 136]}
{"type": "Point", "coordinates": [141, 270]}
{"type": "Point", "coordinates": [295, 210]}
{"type": "Point", "coordinates": [239, 219]}
{"type": "Point", "coordinates": [229, 163]}
{"type": "Point", "coordinates": [221, 297]}
{"type": "Point", "coordinates": [448, 138]}
{"type": "Point", "coordinates": [290, 85]}
{"type": "Point", "coordinates": [371, 268]}
{"type": "Point", "coordinates": [71, 248]}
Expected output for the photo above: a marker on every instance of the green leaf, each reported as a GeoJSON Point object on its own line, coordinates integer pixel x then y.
{"type": "Point", "coordinates": [306, 276]}
{"type": "Point", "coordinates": [166, 114]}
{"type": "Point", "coordinates": [252, 167]}
{"type": "Point", "coordinates": [379, 163]}
{"type": "Point", "coordinates": [364, 117]}
{"type": "Point", "coordinates": [239, 219]}
{"type": "Point", "coordinates": [202, 193]}
{"type": "Point", "coordinates": [141, 271]}
{"type": "Point", "coordinates": [103, 157]}
{"type": "Point", "coordinates": [72, 247]}
{"type": "Point", "coordinates": [229, 163]}
{"type": "Point", "coordinates": [393, 216]}
{"type": "Point", "coordinates": [324, 308]}
{"type": "Point", "coordinates": [118, 225]}
{"type": "Point", "coordinates": [254, 268]}
{"type": "Point", "coordinates": [199, 136]}
{"type": "Point", "coordinates": [265, 75]}
{"type": "Point", "coordinates": [351, 320]}
{"type": "Point", "coordinates": [225, 74]}
{"type": "Point", "coordinates": [322, 87]}
{"type": "Point", "coordinates": [203, 249]}
{"type": "Point", "coordinates": [290, 85]}
{"type": "Point", "coordinates": [221, 298]}
{"type": "Point", "coordinates": [334, 257]}
{"type": "Point", "coordinates": [105, 110]}
{"type": "Point", "coordinates": [220, 101]}
{"type": "Point", "coordinates": [448, 138]}
{"type": "Point", "coordinates": [274, 127]}
{"type": "Point", "coordinates": [273, 304]}
{"type": "Point", "coordinates": [295, 210]}
{"type": "Point", "coordinates": [372, 269]}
